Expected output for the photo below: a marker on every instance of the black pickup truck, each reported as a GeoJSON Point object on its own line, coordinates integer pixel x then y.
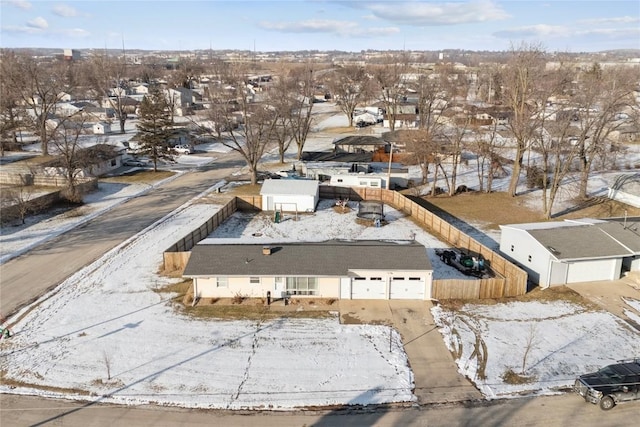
{"type": "Point", "coordinates": [611, 385]}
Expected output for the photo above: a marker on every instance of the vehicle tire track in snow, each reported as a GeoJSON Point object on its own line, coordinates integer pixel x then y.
{"type": "Point", "coordinates": [245, 377]}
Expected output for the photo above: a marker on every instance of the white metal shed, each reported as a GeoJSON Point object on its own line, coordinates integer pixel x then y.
{"type": "Point", "coordinates": [290, 195]}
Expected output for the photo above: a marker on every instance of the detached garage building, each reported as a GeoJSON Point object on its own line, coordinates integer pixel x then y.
{"type": "Point", "coordinates": [557, 253]}
{"type": "Point", "coordinates": [332, 269]}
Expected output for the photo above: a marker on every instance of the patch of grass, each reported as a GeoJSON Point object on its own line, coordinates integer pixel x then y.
{"type": "Point", "coordinates": [513, 378]}
{"type": "Point", "coordinates": [247, 312]}
{"type": "Point", "coordinates": [10, 382]}
{"type": "Point", "coordinates": [181, 288]}
{"type": "Point", "coordinates": [142, 176]}
{"type": "Point", "coordinates": [556, 293]}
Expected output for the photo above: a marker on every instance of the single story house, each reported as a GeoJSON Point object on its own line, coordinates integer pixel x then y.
{"type": "Point", "coordinates": [557, 253]}
{"type": "Point", "coordinates": [366, 269]}
{"type": "Point", "coordinates": [290, 195]}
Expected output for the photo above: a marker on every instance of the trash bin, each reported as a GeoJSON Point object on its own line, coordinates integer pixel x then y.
{"type": "Point", "coordinates": [277, 218]}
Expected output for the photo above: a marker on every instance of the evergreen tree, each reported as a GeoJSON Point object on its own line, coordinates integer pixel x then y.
{"type": "Point", "coordinates": [154, 127]}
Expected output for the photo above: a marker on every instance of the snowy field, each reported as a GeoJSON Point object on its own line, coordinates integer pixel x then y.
{"type": "Point", "coordinates": [106, 332]}
{"type": "Point", "coordinates": [566, 340]}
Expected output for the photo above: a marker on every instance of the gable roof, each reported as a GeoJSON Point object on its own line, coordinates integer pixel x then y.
{"type": "Point", "coordinates": [329, 258]}
{"type": "Point", "coordinates": [579, 242]}
{"type": "Point", "coordinates": [301, 187]}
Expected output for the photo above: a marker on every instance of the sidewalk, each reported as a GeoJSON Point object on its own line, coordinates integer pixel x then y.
{"type": "Point", "coordinates": [435, 373]}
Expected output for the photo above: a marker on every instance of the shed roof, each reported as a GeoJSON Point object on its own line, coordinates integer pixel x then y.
{"type": "Point", "coordinates": [329, 258]}
{"type": "Point", "coordinates": [302, 187]}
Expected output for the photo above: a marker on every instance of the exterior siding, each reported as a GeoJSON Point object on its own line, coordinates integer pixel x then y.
{"type": "Point", "coordinates": [328, 287]}
{"type": "Point", "coordinates": [524, 245]}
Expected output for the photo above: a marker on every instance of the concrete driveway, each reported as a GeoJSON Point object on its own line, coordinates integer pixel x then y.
{"type": "Point", "coordinates": [436, 375]}
{"type": "Point", "coordinates": [610, 295]}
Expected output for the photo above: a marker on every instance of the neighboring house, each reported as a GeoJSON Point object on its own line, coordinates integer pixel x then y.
{"type": "Point", "coordinates": [332, 269]}
{"type": "Point", "coordinates": [556, 253]}
{"type": "Point", "coordinates": [101, 128]}
{"type": "Point", "coordinates": [290, 195]}
{"type": "Point", "coordinates": [140, 89]}
{"type": "Point", "coordinates": [626, 189]}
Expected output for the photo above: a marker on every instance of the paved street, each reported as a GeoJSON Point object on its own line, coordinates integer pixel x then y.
{"type": "Point", "coordinates": [25, 278]}
{"type": "Point", "coordinates": [548, 411]}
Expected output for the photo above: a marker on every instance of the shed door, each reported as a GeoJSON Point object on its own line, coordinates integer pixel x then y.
{"type": "Point", "coordinates": [407, 288]}
{"type": "Point", "coordinates": [366, 288]}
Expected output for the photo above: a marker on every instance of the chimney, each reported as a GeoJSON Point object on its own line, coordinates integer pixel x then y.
{"type": "Point", "coordinates": [266, 250]}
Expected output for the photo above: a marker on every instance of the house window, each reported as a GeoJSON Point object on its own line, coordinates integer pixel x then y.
{"type": "Point", "coordinates": [363, 183]}
{"type": "Point", "coordinates": [529, 258]}
{"type": "Point", "coordinates": [374, 183]}
{"type": "Point", "coordinates": [221, 282]}
{"type": "Point", "coordinates": [254, 280]}
{"type": "Point", "coordinates": [302, 286]}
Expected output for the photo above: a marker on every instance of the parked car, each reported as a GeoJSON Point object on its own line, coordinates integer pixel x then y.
{"type": "Point", "coordinates": [611, 385]}
{"type": "Point", "coordinates": [183, 149]}
{"type": "Point", "coordinates": [134, 162]}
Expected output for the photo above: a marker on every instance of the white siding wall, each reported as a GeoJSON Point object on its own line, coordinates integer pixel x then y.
{"type": "Point", "coordinates": [518, 245]}
{"type": "Point", "coordinates": [328, 287]}
{"type": "Point", "coordinates": [302, 203]}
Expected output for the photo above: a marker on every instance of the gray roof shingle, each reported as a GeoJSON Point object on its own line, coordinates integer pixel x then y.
{"type": "Point", "coordinates": [329, 258]}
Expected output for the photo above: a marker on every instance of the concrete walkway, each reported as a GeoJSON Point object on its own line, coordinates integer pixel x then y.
{"type": "Point", "coordinates": [435, 373]}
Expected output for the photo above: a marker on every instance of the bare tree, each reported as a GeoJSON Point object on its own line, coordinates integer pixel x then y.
{"type": "Point", "coordinates": [279, 98]}
{"type": "Point", "coordinates": [521, 77]}
{"type": "Point", "coordinates": [487, 144]}
{"type": "Point", "coordinates": [248, 126]}
{"type": "Point", "coordinates": [350, 87]}
{"type": "Point", "coordinates": [106, 76]}
{"type": "Point", "coordinates": [602, 94]}
{"type": "Point", "coordinates": [11, 111]}
{"type": "Point", "coordinates": [531, 343]}
{"type": "Point", "coordinates": [66, 140]}
{"type": "Point", "coordinates": [389, 79]}
{"type": "Point", "coordinates": [41, 87]}
{"type": "Point", "coordinates": [302, 102]}
{"type": "Point", "coordinates": [19, 201]}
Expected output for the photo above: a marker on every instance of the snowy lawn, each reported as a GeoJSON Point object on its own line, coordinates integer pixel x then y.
{"type": "Point", "coordinates": [106, 332]}
{"type": "Point", "coordinates": [566, 340]}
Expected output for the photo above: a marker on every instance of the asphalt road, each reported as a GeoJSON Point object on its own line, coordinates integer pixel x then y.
{"type": "Point", "coordinates": [25, 278]}
{"type": "Point", "coordinates": [548, 411]}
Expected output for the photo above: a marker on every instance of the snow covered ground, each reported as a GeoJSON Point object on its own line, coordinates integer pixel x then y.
{"type": "Point", "coordinates": [106, 332]}
{"type": "Point", "coordinates": [566, 340]}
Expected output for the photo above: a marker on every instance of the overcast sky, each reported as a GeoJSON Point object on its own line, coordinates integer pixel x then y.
{"type": "Point", "coordinates": [558, 25]}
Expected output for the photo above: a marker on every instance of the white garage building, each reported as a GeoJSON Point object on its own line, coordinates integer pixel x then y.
{"type": "Point", "coordinates": [556, 253]}
{"type": "Point", "coordinates": [290, 195]}
{"type": "Point", "coordinates": [363, 269]}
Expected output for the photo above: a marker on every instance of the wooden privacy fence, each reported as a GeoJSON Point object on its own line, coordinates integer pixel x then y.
{"type": "Point", "coordinates": [511, 280]}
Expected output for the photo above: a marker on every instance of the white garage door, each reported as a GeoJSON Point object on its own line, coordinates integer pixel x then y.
{"type": "Point", "coordinates": [407, 288]}
{"type": "Point", "coordinates": [589, 271]}
{"type": "Point", "coordinates": [366, 288]}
